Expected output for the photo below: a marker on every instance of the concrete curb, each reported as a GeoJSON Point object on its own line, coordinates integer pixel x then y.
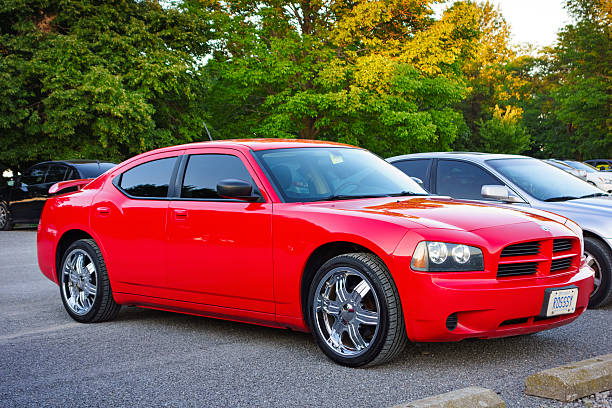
{"type": "Point", "coordinates": [572, 381]}
{"type": "Point", "coordinates": [471, 397]}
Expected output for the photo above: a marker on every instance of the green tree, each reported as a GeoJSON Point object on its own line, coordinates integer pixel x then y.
{"type": "Point", "coordinates": [569, 108]}
{"type": "Point", "coordinates": [582, 63]}
{"type": "Point", "coordinates": [83, 79]}
{"type": "Point", "coordinates": [504, 132]}
{"type": "Point", "coordinates": [493, 80]}
{"type": "Point", "coordinates": [380, 74]}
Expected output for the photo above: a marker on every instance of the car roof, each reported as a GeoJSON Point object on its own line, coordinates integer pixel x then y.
{"type": "Point", "coordinates": [472, 156]}
{"type": "Point", "coordinates": [249, 144]}
{"type": "Point", "coordinates": [75, 162]}
{"type": "Point", "coordinates": [264, 144]}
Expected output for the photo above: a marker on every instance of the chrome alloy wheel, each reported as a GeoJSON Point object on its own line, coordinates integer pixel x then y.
{"type": "Point", "coordinates": [79, 281]}
{"type": "Point", "coordinates": [594, 264]}
{"type": "Point", "coordinates": [3, 216]}
{"type": "Point", "coordinates": [346, 311]}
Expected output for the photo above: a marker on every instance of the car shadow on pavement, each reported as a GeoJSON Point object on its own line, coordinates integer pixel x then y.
{"type": "Point", "coordinates": [475, 354]}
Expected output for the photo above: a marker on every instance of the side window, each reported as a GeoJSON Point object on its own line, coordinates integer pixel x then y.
{"type": "Point", "coordinates": [35, 175]}
{"type": "Point", "coordinates": [418, 168]}
{"type": "Point", "coordinates": [72, 175]}
{"type": "Point", "coordinates": [462, 180]}
{"type": "Point", "coordinates": [204, 171]}
{"type": "Point", "coordinates": [56, 173]}
{"type": "Point", "coordinates": [150, 179]}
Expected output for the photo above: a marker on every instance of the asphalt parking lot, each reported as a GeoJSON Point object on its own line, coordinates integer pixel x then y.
{"type": "Point", "coordinates": [151, 358]}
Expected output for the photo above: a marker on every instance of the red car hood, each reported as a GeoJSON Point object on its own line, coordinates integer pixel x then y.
{"type": "Point", "coordinates": [439, 212]}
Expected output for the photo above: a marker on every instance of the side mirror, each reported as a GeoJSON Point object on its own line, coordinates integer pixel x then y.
{"type": "Point", "coordinates": [499, 193]}
{"type": "Point", "coordinates": [238, 189]}
{"type": "Point", "coordinates": [417, 180]}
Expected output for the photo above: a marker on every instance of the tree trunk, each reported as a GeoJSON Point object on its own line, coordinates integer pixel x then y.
{"type": "Point", "coordinates": [308, 130]}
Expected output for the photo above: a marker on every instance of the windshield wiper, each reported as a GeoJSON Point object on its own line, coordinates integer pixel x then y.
{"type": "Point", "coordinates": [566, 198]}
{"type": "Point", "coordinates": [407, 193]}
{"type": "Point", "coordinates": [595, 195]}
{"type": "Point", "coordinates": [352, 197]}
{"type": "Point", "coordinates": [562, 198]}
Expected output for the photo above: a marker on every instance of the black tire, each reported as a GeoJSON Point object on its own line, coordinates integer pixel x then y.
{"type": "Point", "coordinates": [602, 257]}
{"type": "Point", "coordinates": [5, 218]}
{"type": "Point", "coordinates": [389, 335]}
{"type": "Point", "coordinates": [103, 306]}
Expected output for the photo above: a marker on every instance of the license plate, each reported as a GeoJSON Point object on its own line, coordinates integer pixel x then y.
{"type": "Point", "coordinates": [562, 302]}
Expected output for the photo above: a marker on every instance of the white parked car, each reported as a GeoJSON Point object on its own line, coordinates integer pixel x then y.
{"type": "Point", "coordinates": [567, 168]}
{"type": "Point", "coordinates": [600, 179]}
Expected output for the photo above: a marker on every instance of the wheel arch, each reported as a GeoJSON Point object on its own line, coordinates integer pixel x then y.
{"type": "Point", "coordinates": [317, 258]}
{"type": "Point", "coordinates": [64, 242]}
{"type": "Point", "coordinates": [598, 237]}
{"type": "Point", "coordinates": [601, 298]}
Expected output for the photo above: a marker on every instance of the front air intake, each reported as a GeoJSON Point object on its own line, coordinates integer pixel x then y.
{"type": "Point", "coordinates": [561, 245]}
{"type": "Point", "coordinates": [451, 322]}
{"type": "Point", "coordinates": [516, 269]}
{"type": "Point", "coordinates": [525, 248]}
{"type": "Point", "coordinates": [560, 264]}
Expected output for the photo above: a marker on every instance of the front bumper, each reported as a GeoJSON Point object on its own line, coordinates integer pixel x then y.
{"type": "Point", "coordinates": [485, 308]}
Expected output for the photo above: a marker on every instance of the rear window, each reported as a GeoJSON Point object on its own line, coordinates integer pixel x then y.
{"type": "Point", "coordinates": [418, 168]}
{"type": "Point", "coordinates": [150, 179]}
{"type": "Point", "coordinates": [93, 170]}
{"type": "Point", "coordinates": [56, 173]}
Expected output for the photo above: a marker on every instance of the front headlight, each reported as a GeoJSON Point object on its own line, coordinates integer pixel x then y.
{"type": "Point", "coordinates": [431, 256]}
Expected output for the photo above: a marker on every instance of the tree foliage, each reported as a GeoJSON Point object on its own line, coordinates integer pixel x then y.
{"type": "Point", "coordinates": [79, 78]}
{"type": "Point", "coordinates": [106, 81]}
{"type": "Point", "coordinates": [380, 74]}
{"type": "Point", "coordinates": [504, 132]}
{"type": "Point", "coordinates": [493, 81]}
{"type": "Point", "coordinates": [582, 94]}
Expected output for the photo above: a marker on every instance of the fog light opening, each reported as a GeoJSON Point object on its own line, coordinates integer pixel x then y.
{"type": "Point", "coordinates": [451, 322]}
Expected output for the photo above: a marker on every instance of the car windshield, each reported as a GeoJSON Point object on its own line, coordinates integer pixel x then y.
{"type": "Point", "coordinates": [582, 166]}
{"type": "Point", "coordinates": [543, 181]}
{"type": "Point", "coordinates": [333, 173]}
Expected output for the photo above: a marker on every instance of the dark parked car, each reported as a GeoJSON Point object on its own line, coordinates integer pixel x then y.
{"type": "Point", "coordinates": [601, 164]}
{"type": "Point", "coordinates": [22, 200]}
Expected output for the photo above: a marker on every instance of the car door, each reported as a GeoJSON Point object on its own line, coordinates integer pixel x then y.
{"type": "Point", "coordinates": [129, 217]}
{"type": "Point", "coordinates": [219, 250]}
{"type": "Point", "coordinates": [419, 168]}
{"type": "Point", "coordinates": [28, 198]}
{"type": "Point", "coordinates": [460, 179]}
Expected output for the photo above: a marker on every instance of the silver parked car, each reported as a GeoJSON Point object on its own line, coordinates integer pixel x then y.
{"type": "Point", "coordinates": [524, 182]}
{"type": "Point", "coordinates": [600, 179]}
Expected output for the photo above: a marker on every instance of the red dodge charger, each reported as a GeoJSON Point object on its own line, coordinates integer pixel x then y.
{"type": "Point", "coordinates": [311, 236]}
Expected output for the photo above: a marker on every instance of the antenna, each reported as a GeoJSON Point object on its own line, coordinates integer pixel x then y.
{"type": "Point", "coordinates": [206, 127]}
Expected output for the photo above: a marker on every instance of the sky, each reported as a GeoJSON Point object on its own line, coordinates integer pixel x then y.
{"type": "Point", "coordinates": [532, 21]}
